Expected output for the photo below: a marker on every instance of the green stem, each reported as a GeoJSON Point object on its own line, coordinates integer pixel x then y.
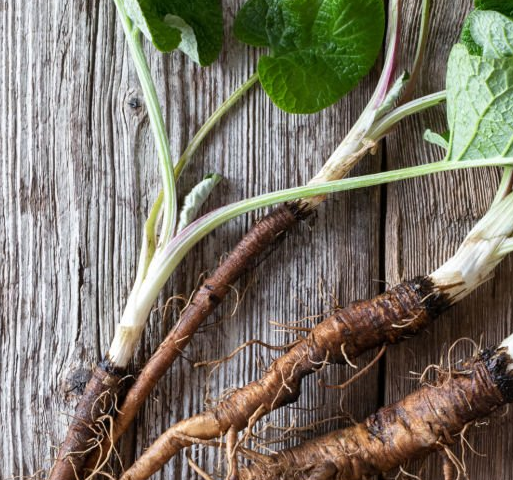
{"type": "Point", "coordinates": [211, 122]}
{"type": "Point", "coordinates": [505, 185]}
{"type": "Point", "coordinates": [149, 241]}
{"type": "Point", "coordinates": [165, 261]}
{"type": "Point", "coordinates": [156, 121]}
{"type": "Point", "coordinates": [419, 54]}
{"type": "Point", "coordinates": [383, 126]}
{"type": "Point", "coordinates": [359, 141]}
{"type": "Point", "coordinates": [206, 128]}
{"type": "Point", "coordinates": [506, 248]}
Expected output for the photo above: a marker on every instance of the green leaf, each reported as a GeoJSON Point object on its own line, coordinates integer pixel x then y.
{"type": "Point", "coordinates": [193, 26]}
{"type": "Point", "coordinates": [502, 6]}
{"type": "Point", "coordinates": [493, 32]}
{"type": "Point", "coordinates": [479, 105]}
{"type": "Point", "coordinates": [196, 198]}
{"type": "Point", "coordinates": [467, 39]}
{"type": "Point", "coordinates": [320, 49]}
{"type": "Point", "coordinates": [249, 27]}
{"type": "Point", "coordinates": [442, 140]}
{"type": "Point", "coordinates": [393, 95]}
{"type": "Point", "coordinates": [146, 18]}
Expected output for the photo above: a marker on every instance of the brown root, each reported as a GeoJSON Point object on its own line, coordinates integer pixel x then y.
{"type": "Point", "coordinates": [242, 347]}
{"type": "Point", "coordinates": [341, 337]}
{"type": "Point", "coordinates": [427, 420]}
{"type": "Point", "coordinates": [403, 474]}
{"type": "Point", "coordinates": [197, 468]}
{"type": "Point", "coordinates": [103, 432]}
{"type": "Point", "coordinates": [204, 301]}
{"type": "Point", "coordinates": [457, 464]}
{"type": "Point", "coordinates": [231, 454]}
{"type": "Point", "coordinates": [464, 443]}
{"type": "Point", "coordinates": [448, 468]}
{"type": "Point", "coordinates": [37, 475]}
{"type": "Point", "coordinates": [284, 327]}
{"type": "Point", "coordinates": [286, 433]}
{"type": "Point", "coordinates": [358, 375]}
{"type": "Point", "coordinates": [97, 401]}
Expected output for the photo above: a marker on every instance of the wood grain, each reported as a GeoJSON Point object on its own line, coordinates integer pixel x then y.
{"type": "Point", "coordinates": [79, 173]}
{"type": "Point", "coordinates": [426, 221]}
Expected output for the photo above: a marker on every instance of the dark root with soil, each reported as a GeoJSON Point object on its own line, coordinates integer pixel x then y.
{"type": "Point", "coordinates": [430, 419]}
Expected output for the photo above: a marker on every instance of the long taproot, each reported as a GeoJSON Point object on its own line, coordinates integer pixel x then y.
{"type": "Point", "coordinates": [388, 318]}
{"type": "Point", "coordinates": [208, 296]}
{"type": "Point", "coordinates": [98, 400]}
{"type": "Point", "coordinates": [424, 421]}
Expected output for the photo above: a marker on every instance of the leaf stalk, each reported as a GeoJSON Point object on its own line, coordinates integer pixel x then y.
{"type": "Point", "coordinates": [168, 258]}
{"type": "Point", "coordinates": [158, 127]}
{"type": "Point", "coordinates": [212, 122]}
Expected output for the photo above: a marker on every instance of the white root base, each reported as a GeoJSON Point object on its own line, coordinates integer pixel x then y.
{"type": "Point", "coordinates": [479, 254]}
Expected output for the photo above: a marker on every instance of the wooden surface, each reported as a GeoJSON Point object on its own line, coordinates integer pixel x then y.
{"type": "Point", "coordinates": [79, 173]}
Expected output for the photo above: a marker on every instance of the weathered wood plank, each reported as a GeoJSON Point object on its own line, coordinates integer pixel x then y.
{"type": "Point", "coordinates": [426, 221]}
{"type": "Point", "coordinates": [78, 176]}
{"type": "Point", "coordinates": [260, 148]}
{"type": "Point", "coordinates": [79, 173]}
{"type": "Point", "coordinates": [63, 282]}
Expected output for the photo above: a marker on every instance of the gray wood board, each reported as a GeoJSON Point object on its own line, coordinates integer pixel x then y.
{"type": "Point", "coordinates": [79, 173]}
{"type": "Point", "coordinates": [427, 219]}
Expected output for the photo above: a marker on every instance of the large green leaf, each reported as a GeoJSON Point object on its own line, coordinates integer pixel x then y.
{"type": "Point", "coordinates": [501, 6]}
{"type": "Point", "coordinates": [493, 32]}
{"type": "Point", "coordinates": [320, 49]}
{"type": "Point", "coordinates": [479, 105]}
{"type": "Point", "coordinates": [467, 39]}
{"type": "Point", "coordinates": [252, 32]}
{"type": "Point", "coordinates": [193, 26]}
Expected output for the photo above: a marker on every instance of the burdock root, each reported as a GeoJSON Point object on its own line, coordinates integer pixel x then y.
{"type": "Point", "coordinates": [421, 423]}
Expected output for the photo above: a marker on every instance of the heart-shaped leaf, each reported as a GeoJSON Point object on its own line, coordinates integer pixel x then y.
{"type": "Point", "coordinates": [480, 84]}
{"type": "Point", "coordinates": [501, 6]}
{"type": "Point", "coordinates": [193, 26]}
{"type": "Point", "coordinates": [479, 105]}
{"type": "Point", "coordinates": [252, 32]}
{"type": "Point", "coordinates": [320, 49]}
{"type": "Point", "coordinates": [493, 32]}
